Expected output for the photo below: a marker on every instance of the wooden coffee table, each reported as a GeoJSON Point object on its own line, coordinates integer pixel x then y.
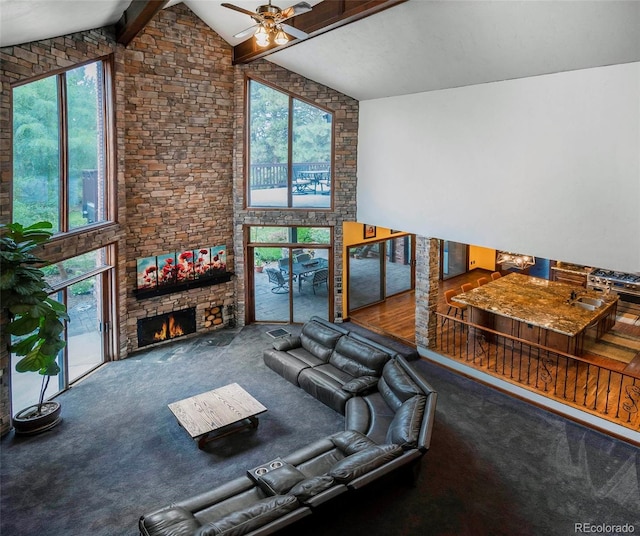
{"type": "Point", "coordinates": [217, 413]}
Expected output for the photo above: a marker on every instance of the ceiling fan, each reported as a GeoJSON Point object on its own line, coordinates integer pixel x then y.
{"type": "Point", "coordinates": [270, 22]}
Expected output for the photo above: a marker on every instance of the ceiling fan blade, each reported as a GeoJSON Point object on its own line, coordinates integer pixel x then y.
{"type": "Point", "coordinates": [247, 32]}
{"type": "Point", "coordinates": [294, 32]}
{"type": "Point", "coordinates": [292, 11]}
{"type": "Point", "coordinates": [240, 9]}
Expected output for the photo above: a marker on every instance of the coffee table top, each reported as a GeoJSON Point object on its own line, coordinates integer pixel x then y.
{"type": "Point", "coordinates": [215, 409]}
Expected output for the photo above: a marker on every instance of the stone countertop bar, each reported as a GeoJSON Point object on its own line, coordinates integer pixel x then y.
{"type": "Point", "coordinates": [538, 302]}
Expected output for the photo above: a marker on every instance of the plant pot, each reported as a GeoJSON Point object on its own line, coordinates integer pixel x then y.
{"type": "Point", "coordinates": [29, 422]}
{"type": "Point", "coordinates": [259, 269]}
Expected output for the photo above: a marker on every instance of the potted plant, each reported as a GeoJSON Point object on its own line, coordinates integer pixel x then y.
{"type": "Point", "coordinates": [35, 320]}
{"type": "Point", "coordinates": [259, 264]}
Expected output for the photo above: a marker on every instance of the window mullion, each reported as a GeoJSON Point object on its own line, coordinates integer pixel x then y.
{"type": "Point", "coordinates": [64, 153]}
{"type": "Point", "coordinates": [290, 154]}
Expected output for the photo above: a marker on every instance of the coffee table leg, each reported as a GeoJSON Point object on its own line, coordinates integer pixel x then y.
{"type": "Point", "coordinates": [203, 441]}
{"type": "Point", "coordinates": [211, 436]}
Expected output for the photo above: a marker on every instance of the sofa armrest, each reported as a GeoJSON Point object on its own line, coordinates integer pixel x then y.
{"type": "Point", "coordinates": [170, 520]}
{"type": "Point", "coordinates": [361, 385]}
{"type": "Point", "coordinates": [284, 344]}
{"type": "Point", "coordinates": [424, 438]}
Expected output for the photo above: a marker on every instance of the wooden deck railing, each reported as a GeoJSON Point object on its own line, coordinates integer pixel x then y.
{"type": "Point", "coordinates": [275, 175]}
{"type": "Point", "coordinates": [572, 380]}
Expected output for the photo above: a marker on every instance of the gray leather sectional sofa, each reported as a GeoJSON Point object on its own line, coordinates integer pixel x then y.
{"type": "Point", "coordinates": [389, 412]}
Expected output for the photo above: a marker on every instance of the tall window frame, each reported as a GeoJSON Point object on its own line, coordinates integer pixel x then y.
{"type": "Point", "coordinates": [303, 255]}
{"type": "Point", "coordinates": [73, 201]}
{"type": "Point", "coordinates": [296, 177]}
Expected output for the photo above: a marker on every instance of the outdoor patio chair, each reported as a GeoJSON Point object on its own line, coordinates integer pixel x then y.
{"type": "Point", "coordinates": [317, 278]}
{"type": "Point", "coordinates": [284, 267]}
{"type": "Point", "coordinates": [276, 277]}
{"type": "Point", "coordinates": [303, 257]}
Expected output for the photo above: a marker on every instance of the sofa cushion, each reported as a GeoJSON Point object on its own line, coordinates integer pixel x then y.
{"type": "Point", "coordinates": [358, 358]}
{"type": "Point", "coordinates": [405, 426]}
{"type": "Point", "coordinates": [363, 461]}
{"type": "Point", "coordinates": [310, 487]}
{"type": "Point", "coordinates": [285, 364]}
{"type": "Point", "coordinates": [173, 521]}
{"type": "Point", "coordinates": [286, 343]}
{"type": "Point", "coordinates": [369, 414]}
{"type": "Point", "coordinates": [351, 441]}
{"type": "Point", "coordinates": [279, 481]}
{"type": "Point", "coordinates": [252, 517]}
{"type": "Point", "coordinates": [319, 340]}
{"type": "Point", "coordinates": [396, 386]}
{"type": "Point", "coordinates": [361, 385]}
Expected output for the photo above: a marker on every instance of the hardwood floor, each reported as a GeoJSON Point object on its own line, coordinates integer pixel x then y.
{"type": "Point", "coordinates": [396, 317]}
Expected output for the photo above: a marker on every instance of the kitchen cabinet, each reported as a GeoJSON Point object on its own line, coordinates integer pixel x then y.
{"type": "Point", "coordinates": [571, 274]}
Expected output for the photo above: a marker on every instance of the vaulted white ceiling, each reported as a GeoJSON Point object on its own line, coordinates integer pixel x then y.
{"type": "Point", "coordinates": [417, 46]}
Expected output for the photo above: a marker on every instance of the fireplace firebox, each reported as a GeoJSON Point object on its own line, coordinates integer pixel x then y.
{"type": "Point", "coordinates": [165, 327]}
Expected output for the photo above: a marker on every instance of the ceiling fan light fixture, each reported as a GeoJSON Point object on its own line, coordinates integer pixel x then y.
{"type": "Point", "coordinates": [262, 36]}
{"type": "Point", "coordinates": [281, 37]}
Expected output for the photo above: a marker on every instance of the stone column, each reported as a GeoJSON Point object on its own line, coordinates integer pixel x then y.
{"type": "Point", "coordinates": [427, 272]}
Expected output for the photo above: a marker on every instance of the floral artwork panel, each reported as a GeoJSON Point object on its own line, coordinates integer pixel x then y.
{"type": "Point", "coordinates": [147, 272]}
{"type": "Point", "coordinates": [201, 262]}
{"type": "Point", "coordinates": [218, 260]}
{"type": "Point", "coordinates": [167, 269]}
{"type": "Point", "coordinates": [185, 266]}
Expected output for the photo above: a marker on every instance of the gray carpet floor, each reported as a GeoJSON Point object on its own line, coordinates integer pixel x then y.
{"type": "Point", "coordinates": [496, 466]}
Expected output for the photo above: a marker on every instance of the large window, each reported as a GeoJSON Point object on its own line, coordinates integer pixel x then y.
{"type": "Point", "coordinates": [85, 285]}
{"type": "Point", "coordinates": [60, 147]}
{"type": "Point", "coordinates": [290, 151]}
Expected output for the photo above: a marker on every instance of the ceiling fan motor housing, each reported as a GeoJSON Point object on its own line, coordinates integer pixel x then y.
{"type": "Point", "coordinates": [268, 11]}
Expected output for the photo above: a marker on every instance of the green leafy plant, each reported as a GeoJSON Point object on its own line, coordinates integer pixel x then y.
{"type": "Point", "coordinates": [36, 320]}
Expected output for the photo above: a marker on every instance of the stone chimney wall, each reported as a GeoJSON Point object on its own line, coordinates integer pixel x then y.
{"type": "Point", "coordinates": [179, 151]}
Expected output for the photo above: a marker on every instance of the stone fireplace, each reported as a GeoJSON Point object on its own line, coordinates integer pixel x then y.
{"type": "Point", "coordinates": [166, 327]}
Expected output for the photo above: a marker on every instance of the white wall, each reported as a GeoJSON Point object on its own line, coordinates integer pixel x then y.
{"type": "Point", "coordinates": [548, 165]}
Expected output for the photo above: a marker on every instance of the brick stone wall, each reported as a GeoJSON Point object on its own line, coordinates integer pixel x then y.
{"type": "Point", "coordinates": [345, 110]}
{"type": "Point", "coordinates": [47, 57]}
{"type": "Point", "coordinates": [179, 151]}
{"type": "Point", "coordinates": [179, 119]}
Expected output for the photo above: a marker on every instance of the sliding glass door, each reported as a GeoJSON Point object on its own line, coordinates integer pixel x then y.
{"type": "Point", "coordinates": [378, 270]}
{"type": "Point", "coordinates": [366, 283]}
{"type": "Point", "coordinates": [289, 276]}
{"type": "Point", "coordinates": [454, 259]}
{"type": "Point", "coordinates": [84, 284]}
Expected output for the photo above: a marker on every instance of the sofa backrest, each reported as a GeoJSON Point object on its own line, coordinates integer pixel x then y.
{"type": "Point", "coordinates": [320, 338]}
{"type": "Point", "coordinates": [358, 358]}
{"type": "Point", "coordinates": [396, 386]}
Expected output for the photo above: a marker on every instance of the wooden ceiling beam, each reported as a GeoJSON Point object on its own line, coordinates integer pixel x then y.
{"type": "Point", "coordinates": [324, 17]}
{"type": "Point", "coordinates": [135, 18]}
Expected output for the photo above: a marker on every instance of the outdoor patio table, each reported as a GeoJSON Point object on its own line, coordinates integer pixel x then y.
{"type": "Point", "coordinates": [307, 267]}
{"type": "Point", "coordinates": [316, 178]}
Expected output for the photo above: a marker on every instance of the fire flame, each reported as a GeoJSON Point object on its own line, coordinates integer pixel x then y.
{"type": "Point", "coordinates": [170, 329]}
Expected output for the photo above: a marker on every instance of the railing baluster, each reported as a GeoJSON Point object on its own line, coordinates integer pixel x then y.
{"type": "Point", "coordinates": [554, 373]}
